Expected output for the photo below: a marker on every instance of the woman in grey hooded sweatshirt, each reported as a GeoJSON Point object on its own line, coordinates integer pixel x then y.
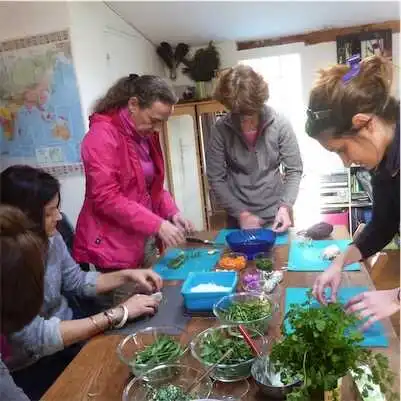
{"type": "Point", "coordinates": [254, 165]}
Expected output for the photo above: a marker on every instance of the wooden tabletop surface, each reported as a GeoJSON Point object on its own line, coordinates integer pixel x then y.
{"type": "Point", "coordinates": [97, 374]}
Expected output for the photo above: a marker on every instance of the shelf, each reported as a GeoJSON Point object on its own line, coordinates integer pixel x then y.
{"type": "Point", "coordinates": [361, 204]}
{"type": "Point", "coordinates": [334, 206]}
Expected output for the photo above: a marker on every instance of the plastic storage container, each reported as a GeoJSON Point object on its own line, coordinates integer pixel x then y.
{"type": "Point", "coordinates": [251, 242]}
{"type": "Point", "coordinates": [204, 301]}
{"type": "Point", "coordinates": [339, 218]}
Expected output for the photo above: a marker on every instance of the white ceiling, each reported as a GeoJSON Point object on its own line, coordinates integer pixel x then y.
{"type": "Point", "coordinates": [198, 22]}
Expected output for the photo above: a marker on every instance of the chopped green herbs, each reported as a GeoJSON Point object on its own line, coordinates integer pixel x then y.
{"type": "Point", "coordinates": [215, 344]}
{"type": "Point", "coordinates": [181, 258]}
{"type": "Point", "coordinates": [264, 264]}
{"type": "Point", "coordinates": [163, 350]}
{"type": "Point", "coordinates": [248, 311]}
{"type": "Point", "coordinates": [170, 393]}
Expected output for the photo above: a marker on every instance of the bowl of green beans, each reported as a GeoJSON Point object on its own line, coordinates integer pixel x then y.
{"type": "Point", "coordinates": [151, 347]}
{"type": "Point", "coordinates": [251, 309]}
{"type": "Point", "coordinates": [211, 345]}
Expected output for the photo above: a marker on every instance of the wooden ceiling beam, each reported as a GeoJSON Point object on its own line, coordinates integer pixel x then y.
{"type": "Point", "coordinates": [315, 37]}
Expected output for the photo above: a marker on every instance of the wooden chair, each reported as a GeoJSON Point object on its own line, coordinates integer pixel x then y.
{"type": "Point", "coordinates": [376, 263]}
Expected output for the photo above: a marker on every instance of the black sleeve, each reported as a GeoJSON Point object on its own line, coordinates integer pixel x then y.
{"type": "Point", "coordinates": [385, 218]}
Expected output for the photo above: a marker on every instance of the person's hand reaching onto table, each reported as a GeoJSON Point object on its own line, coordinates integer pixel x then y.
{"type": "Point", "coordinates": [147, 279]}
{"type": "Point", "coordinates": [170, 234]}
{"type": "Point", "coordinates": [282, 222]}
{"type": "Point", "coordinates": [249, 221]}
{"type": "Point", "coordinates": [331, 278]}
{"type": "Point", "coordinates": [374, 305]}
{"type": "Point", "coordinates": [182, 223]}
{"type": "Point", "coordinates": [141, 305]}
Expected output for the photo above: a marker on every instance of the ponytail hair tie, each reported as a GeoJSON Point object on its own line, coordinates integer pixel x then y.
{"type": "Point", "coordinates": [133, 77]}
{"type": "Point", "coordinates": [354, 65]}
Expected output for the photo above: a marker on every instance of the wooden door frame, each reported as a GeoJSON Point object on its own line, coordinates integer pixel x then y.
{"type": "Point", "coordinates": [206, 108]}
{"type": "Point", "coordinates": [187, 109]}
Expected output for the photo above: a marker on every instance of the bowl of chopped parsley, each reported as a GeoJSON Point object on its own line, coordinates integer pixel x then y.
{"type": "Point", "coordinates": [264, 261]}
{"type": "Point", "coordinates": [168, 383]}
{"type": "Point", "coordinates": [211, 345]}
{"type": "Point", "coordinates": [251, 309]}
{"type": "Point", "coordinates": [151, 347]}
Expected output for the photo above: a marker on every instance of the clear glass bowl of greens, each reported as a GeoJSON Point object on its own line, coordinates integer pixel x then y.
{"type": "Point", "coordinates": [168, 383]}
{"type": "Point", "coordinates": [251, 309]}
{"type": "Point", "coordinates": [210, 345]}
{"type": "Point", "coordinates": [153, 346]}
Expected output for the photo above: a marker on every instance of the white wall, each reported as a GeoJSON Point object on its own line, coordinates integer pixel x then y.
{"type": "Point", "coordinates": [103, 46]}
{"type": "Point", "coordinates": [312, 58]}
{"type": "Point", "coordinates": [31, 18]}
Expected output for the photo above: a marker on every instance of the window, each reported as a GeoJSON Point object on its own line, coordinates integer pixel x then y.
{"type": "Point", "coordinates": [284, 76]}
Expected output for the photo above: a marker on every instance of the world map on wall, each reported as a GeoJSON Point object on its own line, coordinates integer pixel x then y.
{"type": "Point", "coordinates": [41, 119]}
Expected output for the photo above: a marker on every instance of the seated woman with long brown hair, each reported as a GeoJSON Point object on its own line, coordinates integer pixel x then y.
{"type": "Point", "coordinates": [22, 272]}
{"type": "Point", "coordinates": [41, 350]}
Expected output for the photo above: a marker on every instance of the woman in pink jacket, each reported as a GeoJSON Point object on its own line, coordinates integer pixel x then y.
{"type": "Point", "coordinates": [126, 208]}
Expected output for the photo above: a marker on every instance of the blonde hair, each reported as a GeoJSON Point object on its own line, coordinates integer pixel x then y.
{"type": "Point", "coordinates": [241, 90]}
{"type": "Point", "coordinates": [368, 92]}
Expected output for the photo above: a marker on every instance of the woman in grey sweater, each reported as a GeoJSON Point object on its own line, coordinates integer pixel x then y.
{"type": "Point", "coordinates": [22, 268]}
{"type": "Point", "coordinates": [43, 348]}
{"type": "Point", "coordinates": [246, 151]}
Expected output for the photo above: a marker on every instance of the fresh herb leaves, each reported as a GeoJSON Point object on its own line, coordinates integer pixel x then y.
{"type": "Point", "coordinates": [324, 346]}
{"type": "Point", "coordinates": [170, 393]}
{"type": "Point", "coordinates": [181, 258]}
{"type": "Point", "coordinates": [264, 264]}
{"type": "Point", "coordinates": [217, 343]}
{"type": "Point", "coordinates": [162, 350]}
{"type": "Point", "coordinates": [248, 311]}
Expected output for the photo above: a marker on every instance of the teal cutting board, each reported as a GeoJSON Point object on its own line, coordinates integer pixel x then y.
{"type": "Point", "coordinates": [202, 263]}
{"type": "Point", "coordinates": [374, 336]}
{"type": "Point", "coordinates": [281, 239]}
{"type": "Point", "coordinates": [308, 258]}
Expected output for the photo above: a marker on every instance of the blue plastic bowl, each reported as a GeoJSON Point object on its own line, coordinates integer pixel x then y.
{"type": "Point", "coordinates": [251, 242]}
{"type": "Point", "coordinates": [204, 301]}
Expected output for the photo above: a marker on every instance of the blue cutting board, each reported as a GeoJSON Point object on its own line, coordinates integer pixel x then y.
{"type": "Point", "coordinates": [202, 263]}
{"type": "Point", "coordinates": [308, 258]}
{"type": "Point", "coordinates": [374, 336]}
{"type": "Point", "coordinates": [281, 239]}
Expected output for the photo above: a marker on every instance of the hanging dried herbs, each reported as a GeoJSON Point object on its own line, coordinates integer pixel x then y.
{"type": "Point", "coordinates": [203, 66]}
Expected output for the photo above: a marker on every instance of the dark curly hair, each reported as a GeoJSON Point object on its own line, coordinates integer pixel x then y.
{"type": "Point", "coordinates": [146, 88]}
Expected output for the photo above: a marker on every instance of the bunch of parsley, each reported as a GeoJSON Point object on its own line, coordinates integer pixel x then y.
{"type": "Point", "coordinates": [323, 346]}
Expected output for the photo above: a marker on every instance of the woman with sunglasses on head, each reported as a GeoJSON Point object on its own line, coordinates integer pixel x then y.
{"type": "Point", "coordinates": [126, 207]}
{"type": "Point", "coordinates": [22, 273]}
{"type": "Point", "coordinates": [352, 112]}
{"type": "Point", "coordinates": [41, 350]}
{"type": "Point", "coordinates": [247, 150]}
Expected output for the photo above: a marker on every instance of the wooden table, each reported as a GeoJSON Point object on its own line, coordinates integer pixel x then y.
{"type": "Point", "coordinates": [97, 374]}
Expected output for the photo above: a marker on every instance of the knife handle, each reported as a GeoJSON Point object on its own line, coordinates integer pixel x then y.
{"type": "Point", "coordinates": [195, 240]}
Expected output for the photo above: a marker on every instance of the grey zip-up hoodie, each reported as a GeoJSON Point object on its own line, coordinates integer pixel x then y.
{"type": "Point", "coordinates": [249, 179]}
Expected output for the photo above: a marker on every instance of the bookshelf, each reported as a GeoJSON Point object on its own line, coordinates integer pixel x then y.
{"type": "Point", "coordinates": [347, 192]}
{"type": "Point", "coordinates": [350, 191]}
{"type": "Point", "coordinates": [360, 195]}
